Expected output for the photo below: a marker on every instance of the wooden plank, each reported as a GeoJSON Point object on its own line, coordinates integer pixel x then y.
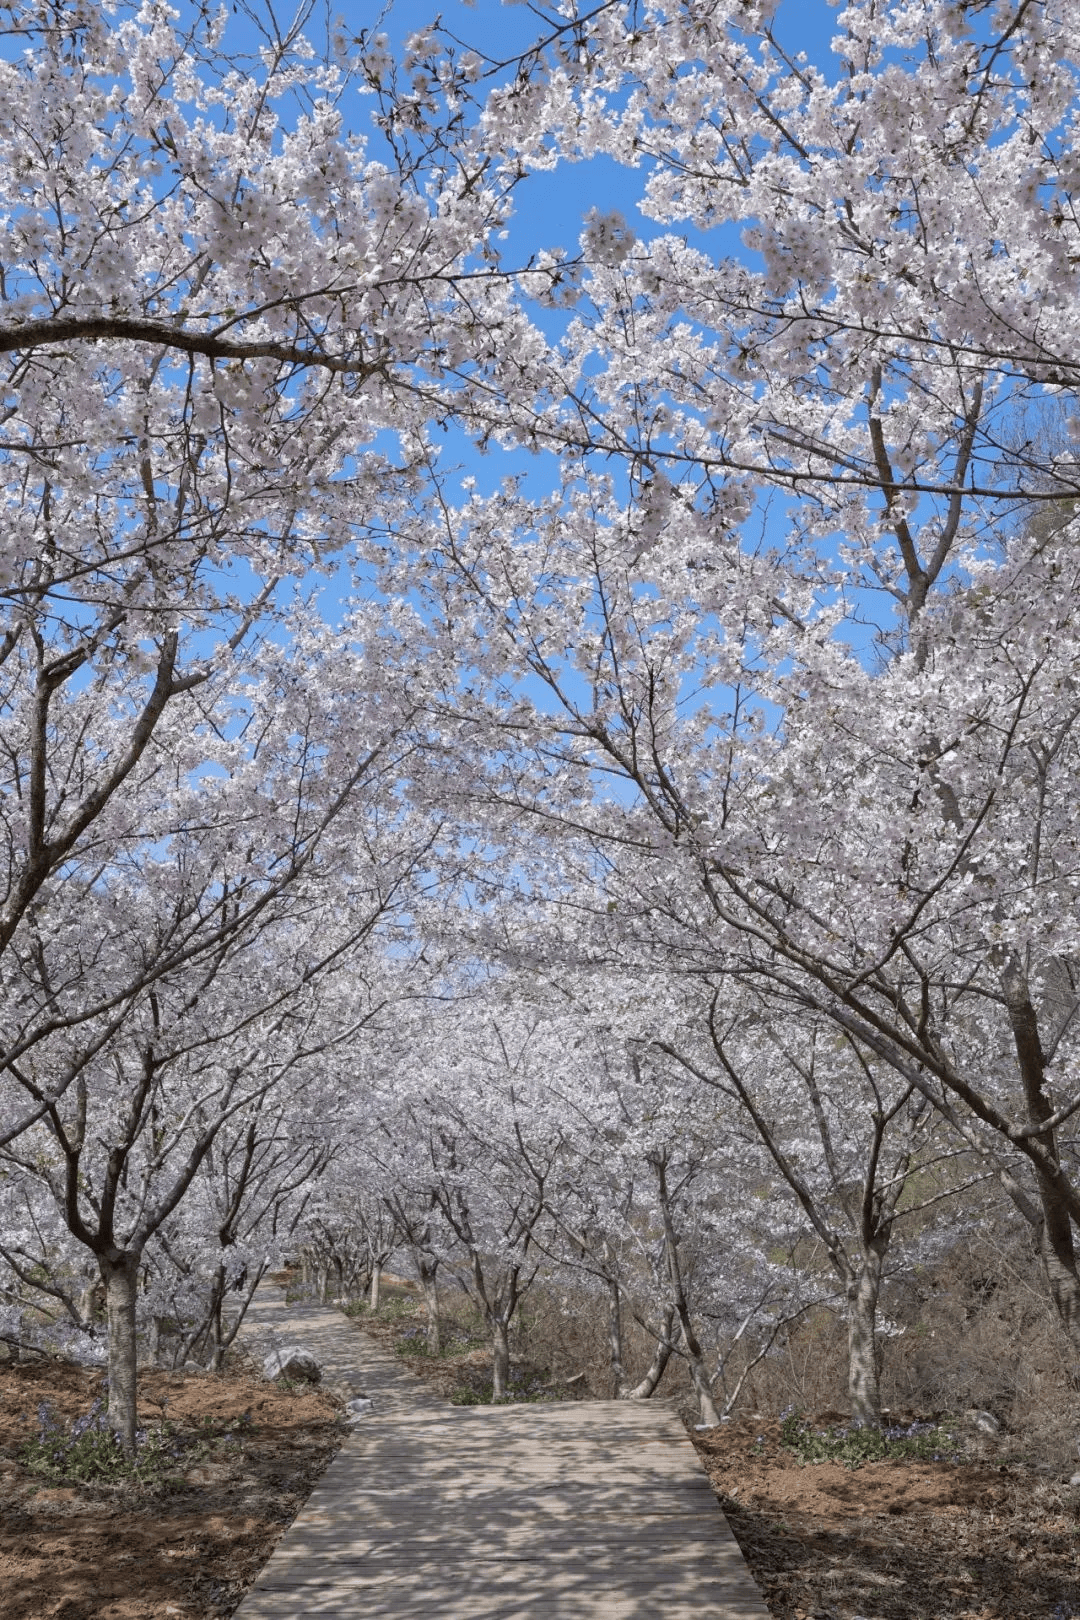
{"type": "Point", "coordinates": [478, 1587]}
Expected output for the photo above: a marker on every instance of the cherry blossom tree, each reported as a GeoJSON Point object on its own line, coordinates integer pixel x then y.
{"type": "Point", "coordinates": [259, 1173]}
{"type": "Point", "coordinates": [891, 850]}
{"type": "Point", "coordinates": [215, 299]}
{"type": "Point", "coordinates": [492, 1146]}
{"type": "Point", "coordinates": [837, 730]}
{"type": "Point", "coordinates": [907, 226]}
{"type": "Point", "coordinates": [204, 954]}
{"type": "Point", "coordinates": [772, 692]}
{"type": "Point", "coordinates": [850, 1168]}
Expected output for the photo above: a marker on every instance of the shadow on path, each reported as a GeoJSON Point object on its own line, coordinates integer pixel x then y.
{"type": "Point", "coordinates": [590, 1509]}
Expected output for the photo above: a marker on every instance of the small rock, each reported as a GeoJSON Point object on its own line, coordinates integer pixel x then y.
{"type": "Point", "coordinates": [984, 1422]}
{"type": "Point", "coordinates": [361, 1407]}
{"type": "Point", "coordinates": [1075, 1480]}
{"type": "Point", "coordinates": [292, 1362]}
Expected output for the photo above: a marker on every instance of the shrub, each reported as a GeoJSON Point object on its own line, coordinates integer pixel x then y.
{"type": "Point", "coordinates": [89, 1450]}
{"type": "Point", "coordinates": [855, 1445]}
{"type": "Point", "coordinates": [412, 1342]}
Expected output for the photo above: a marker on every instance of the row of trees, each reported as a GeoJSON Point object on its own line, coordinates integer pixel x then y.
{"type": "Point", "coordinates": [661, 865]}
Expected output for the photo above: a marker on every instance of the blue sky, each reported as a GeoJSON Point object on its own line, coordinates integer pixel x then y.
{"type": "Point", "coordinates": [551, 206]}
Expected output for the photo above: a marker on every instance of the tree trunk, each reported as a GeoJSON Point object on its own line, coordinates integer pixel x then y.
{"type": "Point", "coordinates": [694, 1354]}
{"type": "Point", "coordinates": [427, 1273]}
{"type": "Point", "coordinates": [647, 1386]}
{"type": "Point", "coordinates": [217, 1338]}
{"type": "Point", "coordinates": [119, 1273]}
{"type": "Point", "coordinates": [615, 1346]}
{"type": "Point", "coordinates": [192, 1346]}
{"type": "Point", "coordinates": [1059, 1267]}
{"type": "Point", "coordinates": [864, 1359]}
{"type": "Point", "coordinates": [211, 1346]}
{"type": "Point", "coordinates": [500, 1348]}
{"type": "Point", "coordinates": [1056, 1237]}
{"type": "Point", "coordinates": [91, 1301]}
{"type": "Point", "coordinates": [230, 1328]}
{"type": "Point", "coordinates": [376, 1284]}
{"type": "Point", "coordinates": [700, 1380]}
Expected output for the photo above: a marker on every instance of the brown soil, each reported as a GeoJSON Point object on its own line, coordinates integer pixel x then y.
{"type": "Point", "coordinates": [187, 1546]}
{"type": "Point", "coordinates": [981, 1539]}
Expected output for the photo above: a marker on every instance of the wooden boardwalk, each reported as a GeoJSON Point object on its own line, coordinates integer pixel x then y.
{"type": "Point", "coordinates": [590, 1510]}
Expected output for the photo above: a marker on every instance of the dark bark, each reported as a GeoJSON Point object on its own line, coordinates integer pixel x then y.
{"type": "Point", "coordinates": [49, 330]}
{"type": "Point", "coordinates": [119, 1273]}
{"type": "Point", "coordinates": [1056, 1244]}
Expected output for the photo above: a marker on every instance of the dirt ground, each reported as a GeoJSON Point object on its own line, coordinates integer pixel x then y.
{"type": "Point", "coordinates": [188, 1546]}
{"type": "Point", "coordinates": [985, 1539]}
{"type": "Point", "coordinates": [981, 1539]}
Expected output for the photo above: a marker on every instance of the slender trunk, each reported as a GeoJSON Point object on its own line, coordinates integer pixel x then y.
{"type": "Point", "coordinates": [864, 1356]}
{"type": "Point", "coordinates": [694, 1354]}
{"type": "Point", "coordinates": [221, 1337]}
{"type": "Point", "coordinates": [500, 1356]}
{"type": "Point", "coordinates": [189, 1347]}
{"type": "Point", "coordinates": [1056, 1245]}
{"type": "Point", "coordinates": [647, 1386]}
{"type": "Point", "coordinates": [210, 1347]}
{"type": "Point", "coordinates": [119, 1273]}
{"type": "Point", "coordinates": [700, 1380]}
{"type": "Point", "coordinates": [217, 1329]}
{"type": "Point", "coordinates": [426, 1270]}
{"type": "Point", "coordinates": [615, 1346]}
{"type": "Point", "coordinates": [1059, 1267]}
{"type": "Point", "coordinates": [91, 1301]}
{"type": "Point", "coordinates": [376, 1284]}
{"type": "Point", "coordinates": [247, 1292]}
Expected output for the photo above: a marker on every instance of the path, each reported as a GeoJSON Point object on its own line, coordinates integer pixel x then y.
{"type": "Point", "coordinates": [352, 1362]}
{"type": "Point", "coordinates": [588, 1510]}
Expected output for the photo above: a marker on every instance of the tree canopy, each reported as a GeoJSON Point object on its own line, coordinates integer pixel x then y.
{"type": "Point", "coordinates": [509, 750]}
